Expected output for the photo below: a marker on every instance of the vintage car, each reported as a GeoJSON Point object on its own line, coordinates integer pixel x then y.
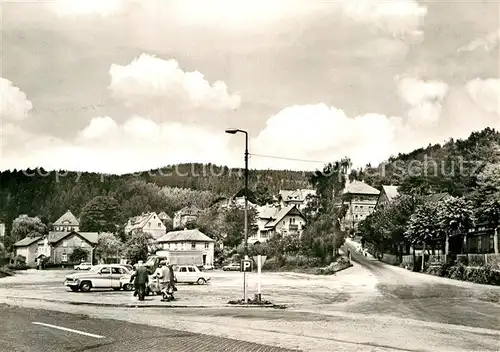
{"type": "Point", "coordinates": [83, 266]}
{"type": "Point", "coordinates": [102, 276]}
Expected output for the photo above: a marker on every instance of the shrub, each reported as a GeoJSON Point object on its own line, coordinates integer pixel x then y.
{"type": "Point", "coordinates": [5, 272]}
{"type": "Point", "coordinates": [457, 272]}
{"type": "Point", "coordinates": [483, 275]}
{"type": "Point", "coordinates": [17, 266]}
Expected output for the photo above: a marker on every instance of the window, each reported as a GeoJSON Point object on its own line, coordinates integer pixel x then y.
{"type": "Point", "coordinates": [207, 245]}
{"type": "Point", "coordinates": [193, 245]}
{"type": "Point", "coordinates": [117, 271]}
{"type": "Point", "coordinates": [82, 244]}
{"type": "Point", "coordinates": [149, 224]}
{"type": "Point", "coordinates": [105, 271]}
{"type": "Point", "coordinates": [191, 270]}
{"type": "Point", "coordinates": [65, 243]}
{"type": "Point", "coordinates": [159, 224]}
{"type": "Point", "coordinates": [183, 269]}
{"type": "Point", "coordinates": [64, 257]}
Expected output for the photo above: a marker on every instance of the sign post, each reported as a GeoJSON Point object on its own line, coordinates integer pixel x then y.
{"type": "Point", "coordinates": [260, 259]}
{"type": "Point", "coordinates": [245, 266]}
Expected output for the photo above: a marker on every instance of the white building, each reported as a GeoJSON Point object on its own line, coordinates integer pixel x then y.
{"type": "Point", "coordinates": [298, 197]}
{"type": "Point", "coordinates": [361, 200]}
{"type": "Point", "coordinates": [67, 223]}
{"type": "Point", "coordinates": [189, 241]}
{"type": "Point", "coordinates": [272, 220]}
{"type": "Point", "coordinates": [148, 222]}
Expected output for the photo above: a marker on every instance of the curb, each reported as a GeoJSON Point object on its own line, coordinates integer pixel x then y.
{"type": "Point", "coordinates": [139, 305]}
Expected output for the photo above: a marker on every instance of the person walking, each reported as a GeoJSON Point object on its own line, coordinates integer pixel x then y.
{"type": "Point", "coordinates": [140, 278]}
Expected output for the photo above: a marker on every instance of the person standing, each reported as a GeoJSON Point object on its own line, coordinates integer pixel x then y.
{"type": "Point", "coordinates": [141, 279]}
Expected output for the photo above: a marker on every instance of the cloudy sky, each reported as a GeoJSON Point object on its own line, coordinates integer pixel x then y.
{"type": "Point", "coordinates": [124, 85]}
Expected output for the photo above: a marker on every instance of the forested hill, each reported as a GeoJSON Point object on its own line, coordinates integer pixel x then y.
{"type": "Point", "coordinates": [451, 167]}
{"type": "Point", "coordinates": [49, 194]}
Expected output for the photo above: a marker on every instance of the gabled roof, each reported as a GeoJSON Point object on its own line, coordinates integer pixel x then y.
{"type": "Point", "coordinates": [358, 187]}
{"type": "Point", "coordinates": [138, 222]}
{"type": "Point", "coordinates": [267, 212]}
{"type": "Point", "coordinates": [282, 213]}
{"type": "Point", "coordinates": [184, 236]}
{"type": "Point", "coordinates": [67, 219]}
{"type": "Point", "coordinates": [189, 210]}
{"type": "Point", "coordinates": [27, 241]}
{"type": "Point", "coordinates": [391, 192]}
{"type": "Point", "coordinates": [437, 197]}
{"type": "Point", "coordinates": [298, 195]}
{"type": "Point", "coordinates": [164, 216]}
{"type": "Point", "coordinates": [91, 237]}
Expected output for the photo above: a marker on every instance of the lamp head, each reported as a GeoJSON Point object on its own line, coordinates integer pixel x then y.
{"type": "Point", "coordinates": [232, 131]}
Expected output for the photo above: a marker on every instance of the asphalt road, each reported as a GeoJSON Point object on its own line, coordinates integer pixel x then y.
{"type": "Point", "coordinates": [29, 330]}
{"type": "Point", "coordinates": [428, 298]}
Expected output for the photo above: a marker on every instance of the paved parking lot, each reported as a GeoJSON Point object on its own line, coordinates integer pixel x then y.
{"type": "Point", "coordinates": [281, 288]}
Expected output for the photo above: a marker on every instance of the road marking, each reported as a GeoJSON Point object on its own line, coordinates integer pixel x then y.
{"type": "Point", "coordinates": [70, 330]}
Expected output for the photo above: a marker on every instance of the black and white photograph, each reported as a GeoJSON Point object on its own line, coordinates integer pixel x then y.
{"type": "Point", "coordinates": [250, 175]}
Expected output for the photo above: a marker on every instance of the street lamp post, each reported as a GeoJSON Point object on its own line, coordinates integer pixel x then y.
{"type": "Point", "coordinates": [234, 131]}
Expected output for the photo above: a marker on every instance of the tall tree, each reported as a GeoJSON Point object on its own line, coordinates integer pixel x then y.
{"type": "Point", "coordinates": [25, 226]}
{"type": "Point", "coordinates": [263, 194]}
{"type": "Point", "coordinates": [101, 214]}
{"type": "Point", "coordinates": [108, 246]}
{"type": "Point", "coordinates": [138, 246]}
{"type": "Point", "coordinates": [456, 217]}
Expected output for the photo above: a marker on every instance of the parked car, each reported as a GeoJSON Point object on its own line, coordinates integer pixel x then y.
{"type": "Point", "coordinates": [231, 267]}
{"type": "Point", "coordinates": [99, 276]}
{"type": "Point", "coordinates": [208, 267]}
{"type": "Point", "coordinates": [190, 274]}
{"type": "Point", "coordinates": [83, 266]}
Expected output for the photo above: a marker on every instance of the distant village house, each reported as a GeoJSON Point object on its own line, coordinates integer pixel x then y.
{"type": "Point", "coordinates": [148, 223]}
{"type": "Point", "coordinates": [187, 243]}
{"type": "Point", "coordinates": [67, 222]}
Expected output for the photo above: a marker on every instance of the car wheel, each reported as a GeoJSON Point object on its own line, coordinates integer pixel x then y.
{"type": "Point", "coordinates": [127, 287]}
{"type": "Point", "coordinates": [85, 286]}
{"type": "Point", "coordinates": [74, 288]}
{"type": "Point", "coordinates": [77, 268]}
{"type": "Point", "coordinates": [116, 288]}
{"type": "Point", "coordinates": [201, 281]}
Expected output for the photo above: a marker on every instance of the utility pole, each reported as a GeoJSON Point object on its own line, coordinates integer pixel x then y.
{"type": "Point", "coordinates": [234, 131]}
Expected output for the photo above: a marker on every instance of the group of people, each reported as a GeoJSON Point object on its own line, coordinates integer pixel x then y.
{"type": "Point", "coordinates": [140, 278]}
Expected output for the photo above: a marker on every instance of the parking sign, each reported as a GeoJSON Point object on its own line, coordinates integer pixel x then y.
{"type": "Point", "coordinates": [246, 265]}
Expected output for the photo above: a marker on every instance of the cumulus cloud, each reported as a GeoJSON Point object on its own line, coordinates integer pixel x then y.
{"type": "Point", "coordinates": [149, 80]}
{"type": "Point", "coordinates": [487, 43]}
{"type": "Point", "coordinates": [15, 103]}
{"type": "Point", "coordinates": [401, 18]}
{"type": "Point", "coordinates": [106, 146]}
{"type": "Point", "coordinates": [321, 133]}
{"type": "Point", "coordinates": [424, 98]}
{"type": "Point", "coordinates": [486, 94]}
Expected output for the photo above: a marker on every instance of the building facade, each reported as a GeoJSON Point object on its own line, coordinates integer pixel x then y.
{"type": "Point", "coordinates": [185, 216]}
{"type": "Point", "coordinates": [361, 200]}
{"type": "Point", "coordinates": [56, 247]}
{"type": "Point", "coordinates": [67, 222]}
{"type": "Point", "coordinates": [271, 220]}
{"type": "Point", "coordinates": [298, 197]}
{"type": "Point", "coordinates": [189, 241]}
{"type": "Point", "coordinates": [148, 223]}
{"type": "Point", "coordinates": [387, 195]}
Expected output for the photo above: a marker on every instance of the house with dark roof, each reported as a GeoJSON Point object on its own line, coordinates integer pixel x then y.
{"type": "Point", "coordinates": [361, 199]}
{"type": "Point", "coordinates": [67, 222]}
{"type": "Point", "coordinates": [271, 220]}
{"type": "Point", "coordinates": [387, 195]}
{"type": "Point", "coordinates": [298, 197]}
{"type": "Point", "coordinates": [147, 222]}
{"type": "Point", "coordinates": [56, 247]}
{"type": "Point", "coordinates": [190, 243]}
{"type": "Point", "coordinates": [185, 216]}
